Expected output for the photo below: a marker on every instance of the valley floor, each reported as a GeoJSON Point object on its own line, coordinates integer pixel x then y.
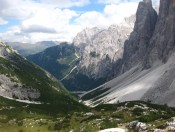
{"type": "Point", "coordinates": [126, 117]}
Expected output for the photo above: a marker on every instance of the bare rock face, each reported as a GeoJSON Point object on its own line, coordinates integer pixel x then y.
{"type": "Point", "coordinates": [162, 48]}
{"type": "Point", "coordinates": [85, 37]}
{"type": "Point", "coordinates": [11, 87]}
{"type": "Point", "coordinates": [100, 48]}
{"type": "Point", "coordinates": [163, 41]}
{"type": "Point", "coordinates": [137, 45]}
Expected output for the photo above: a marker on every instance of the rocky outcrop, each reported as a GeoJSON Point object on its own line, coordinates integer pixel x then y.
{"type": "Point", "coordinates": [138, 126]}
{"type": "Point", "coordinates": [11, 87]}
{"type": "Point", "coordinates": [6, 51]}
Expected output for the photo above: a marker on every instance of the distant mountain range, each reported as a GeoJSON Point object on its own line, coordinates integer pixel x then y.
{"type": "Point", "coordinates": [26, 49]}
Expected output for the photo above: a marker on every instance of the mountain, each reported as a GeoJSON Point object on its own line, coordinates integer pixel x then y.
{"type": "Point", "coordinates": [26, 49]}
{"type": "Point", "coordinates": [25, 82]}
{"type": "Point", "coordinates": [146, 71]}
{"type": "Point", "coordinates": [100, 48]}
{"type": "Point", "coordinates": [85, 64]}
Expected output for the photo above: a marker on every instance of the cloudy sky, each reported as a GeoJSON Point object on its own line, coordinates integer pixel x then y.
{"type": "Point", "coordinates": [40, 20]}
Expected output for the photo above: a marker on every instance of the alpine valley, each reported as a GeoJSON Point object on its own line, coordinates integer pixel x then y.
{"type": "Point", "coordinates": [86, 62]}
{"type": "Point", "coordinates": [119, 78]}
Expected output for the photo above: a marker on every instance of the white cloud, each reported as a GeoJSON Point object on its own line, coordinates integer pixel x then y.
{"type": "Point", "coordinates": [37, 29]}
{"type": "Point", "coordinates": [115, 13]}
{"type": "Point", "coordinates": [112, 14]}
{"type": "Point", "coordinates": [67, 3]}
{"type": "Point", "coordinates": [13, 34]}
{"type": "Point", "coordinates": [22, 9]}
{"type": "Point", "coordinates": [91, 19]}
{"type": "Point", "coordinates": [155, 2]}
{"type": "Point", "coordinates": [49, 18]}
{"type": "Point", "coordinates": [15, 9]}
{"type": "Point", "coordinates": [43, 20]}
{"type": "Point", "coordinates": [3, 22]}
{"type": "Point", "coordinates": [116, 1]}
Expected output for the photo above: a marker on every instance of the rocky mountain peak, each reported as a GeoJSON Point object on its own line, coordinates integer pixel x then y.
{"type": "Point", "coordinates": [100, 48]}
{"type": "Point", "coordinates": [145, 12]}
{"type": "Point", "coordinates": [137, 45]}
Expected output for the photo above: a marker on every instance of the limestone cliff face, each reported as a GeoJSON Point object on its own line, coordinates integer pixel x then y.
{"type": "Point", "coordinates": [163, 40]}
{"type": "Point", "coordinates": [137, 45]}
{"type": "Point", "coordinates": [162, 49]}
{"type": "Point", "coordinates": [83, 38]}
{"type": "Point", "coordinates": [100, 48]}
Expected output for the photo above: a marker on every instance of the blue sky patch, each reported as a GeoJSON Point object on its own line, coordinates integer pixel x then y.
{"type": "Point", "coordinates": [11, 22]}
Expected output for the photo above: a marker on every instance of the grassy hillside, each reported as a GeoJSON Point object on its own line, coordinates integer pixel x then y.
{"type": "Point", "coordinates": [29, 75]}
